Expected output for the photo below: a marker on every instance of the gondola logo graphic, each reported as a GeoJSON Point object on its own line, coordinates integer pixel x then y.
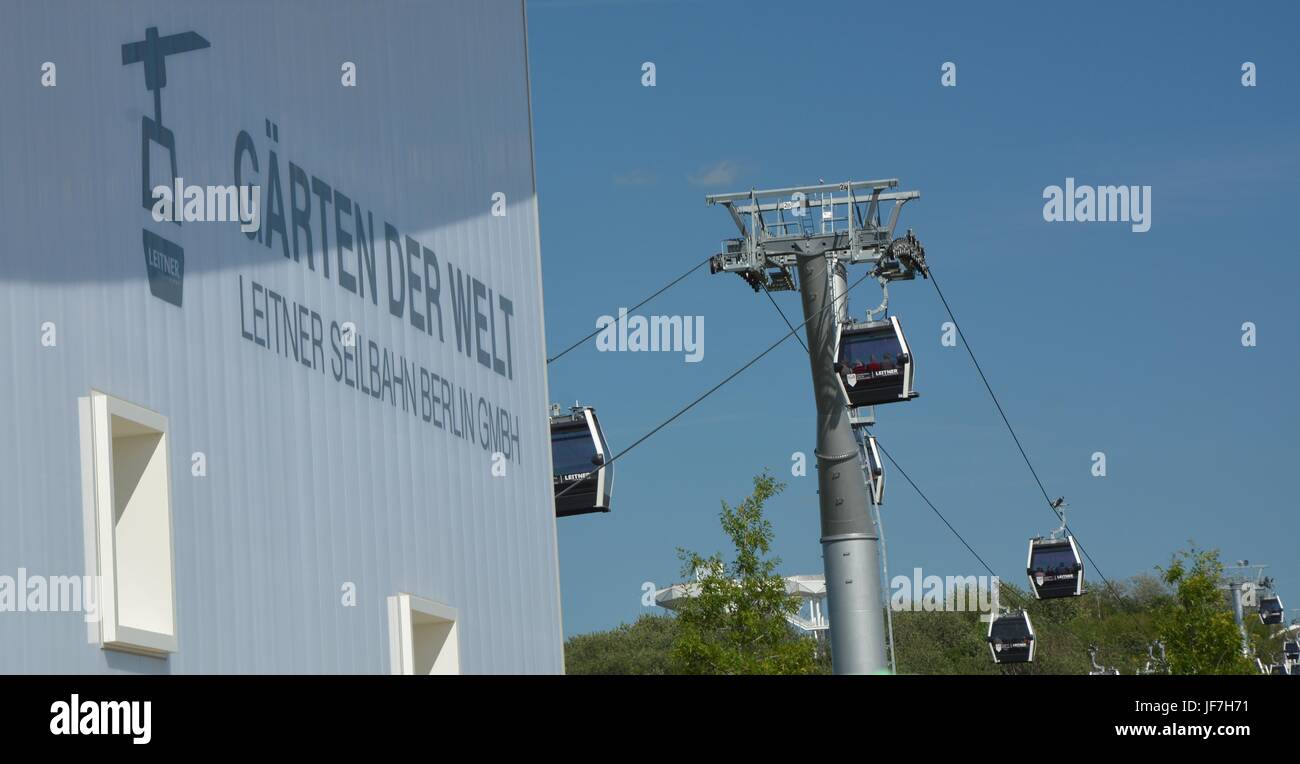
{"type": "Point", "coordinates": [852, 378]}
{"type": "Point", "coordinates": [164, 259]}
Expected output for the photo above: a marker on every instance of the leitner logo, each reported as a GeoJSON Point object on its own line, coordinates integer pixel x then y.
{"type": "Point", "coordinates": [163, 259]}
{"type": "Point", "coordinates": [104, 717]}
{"type": "Point", "coordinates": [854, 377]}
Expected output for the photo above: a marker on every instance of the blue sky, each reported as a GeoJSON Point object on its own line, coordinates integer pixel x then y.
{"type": "Point", "coordinates": [1095, 338]}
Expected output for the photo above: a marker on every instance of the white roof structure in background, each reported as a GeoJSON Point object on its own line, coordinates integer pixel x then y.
{"type": "Point", "coordinates": [811, 590]}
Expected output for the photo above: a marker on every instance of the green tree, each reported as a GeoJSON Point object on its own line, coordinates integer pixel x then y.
{"type": "Point", "coordinates": [1197, 625]}
{"type": "Point", "coordinates": [640, 648]}
{"type": "Point", "coordinates": [736, 621]}
{"type": "Point", "coordinates": [1265, 641]}
{"type": "Point", "coordinates": [941, 642]}
{"type": "Point", "coordinates": [951, 642]}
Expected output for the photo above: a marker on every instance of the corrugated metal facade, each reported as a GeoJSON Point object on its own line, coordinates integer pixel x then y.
{"type": "Point", "coordinates": [310, 482]}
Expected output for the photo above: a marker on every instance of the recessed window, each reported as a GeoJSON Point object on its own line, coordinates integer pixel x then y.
{"type": "Point", "coordinates": [422, 636]}
{"type": "Point", "coordinates": [133, 526]}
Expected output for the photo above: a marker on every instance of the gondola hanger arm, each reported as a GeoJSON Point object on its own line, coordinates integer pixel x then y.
{"type": "Point", "coordinates": [883, 307]}
{"type": "Point", "coordinates": [1059, 506]}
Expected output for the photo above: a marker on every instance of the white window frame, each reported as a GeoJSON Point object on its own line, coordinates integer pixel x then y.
{"type": "Point", "coordinates": [406, 613]}
{"type": "Point", "coordinates": [97, 446]}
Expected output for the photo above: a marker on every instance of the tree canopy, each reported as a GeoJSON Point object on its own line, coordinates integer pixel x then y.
{"type": "Point", "coordinates": [736, 621]}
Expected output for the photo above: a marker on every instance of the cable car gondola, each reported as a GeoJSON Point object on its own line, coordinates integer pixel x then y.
{"type": "Point", "coordinates": [875, 471]}
{"type": "Point", "coordinates": [1270, 609]}
{"type": "Point", "coordinates": [583, 480]}
{"type": "Point", "coordinates": [1055, 568]}
{"type": "Point", "coordinates": [1291, 650]}
{"type": "Point", "coordinates": [873, 363]}
{"type": "Point", "coordinates": [1011, 638]}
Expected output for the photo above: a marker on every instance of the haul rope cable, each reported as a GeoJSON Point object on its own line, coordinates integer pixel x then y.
{"type": "Point", "coordinates": [793, 331]}
{"type": "Point", "coordinates": [599, 329]}
{"type": "Point", "coordinates": [924, 498]}
{"type": "Point", "coordinates": [892, 461]}
{"type": "Point", "coordinates": [1010, 429]}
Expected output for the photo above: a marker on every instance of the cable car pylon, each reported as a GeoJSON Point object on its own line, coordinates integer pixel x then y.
{"type": "Point", "coordinates": [1243, 581]}
{"type": "Point", "coordinates": [782, 247]}
{"type": "Point", "coordinates": [1097, 668]}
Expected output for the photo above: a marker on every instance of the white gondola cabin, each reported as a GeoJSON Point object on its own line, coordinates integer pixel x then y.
{"type": "Point", "coordinates": [875, 470]}
{"type": "Point", "coordinates": [1011, 638]}
{"type": "Point", "coordinates": [583, 478]}
{"type": "Point", "coordinates": [873, 363]}
{"type": "Point", "coordinates": [1055, 568]}
{"type": "Point", "coordinates": [1270, 609]}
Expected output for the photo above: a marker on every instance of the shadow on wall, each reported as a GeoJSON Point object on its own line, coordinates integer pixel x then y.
{"type": "Point", "coordinates": [148, 93]}
{"type": "Point", "coordinates": [137, 664]}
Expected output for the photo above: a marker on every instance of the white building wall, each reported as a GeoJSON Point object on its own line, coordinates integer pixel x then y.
{"type": "Point", "coordinates": [310, 484]}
